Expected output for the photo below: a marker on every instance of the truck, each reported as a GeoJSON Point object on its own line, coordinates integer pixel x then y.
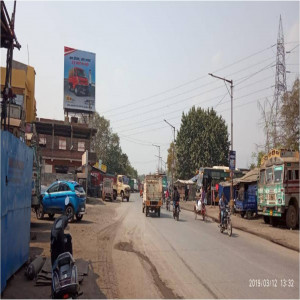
{"type": "Point", "coordinates": [122, 188]}
{"type": "Point", "coordinates": [108, 189]}
{"type": "Point", "coordinates": [278, 187]}
{"type": "Point", "coordinates": [153, 194]}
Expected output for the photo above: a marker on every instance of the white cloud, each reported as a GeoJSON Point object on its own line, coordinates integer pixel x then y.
{"type": "Point", "coordinates": [216, 59]}
{"type": "Point", "coordinates": [293, 33]}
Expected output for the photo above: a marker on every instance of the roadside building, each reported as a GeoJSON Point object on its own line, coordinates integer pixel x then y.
{"type": "Point", "coordinates": [23, 108]}
{"type": "Point", "coordinates": [62, 144]}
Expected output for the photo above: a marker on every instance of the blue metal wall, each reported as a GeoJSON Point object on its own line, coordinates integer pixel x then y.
{"type": "Point", "coordinates": [16, 177]}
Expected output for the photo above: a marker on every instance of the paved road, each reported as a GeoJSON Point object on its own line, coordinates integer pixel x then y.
{"type": "Point", "coordinates": [162, 258]}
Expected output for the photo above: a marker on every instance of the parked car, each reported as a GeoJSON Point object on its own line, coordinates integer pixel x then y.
{"type": "Point", "coordinates": [78, 81]}
{"type": "Point", "coordinates": [63, 197]}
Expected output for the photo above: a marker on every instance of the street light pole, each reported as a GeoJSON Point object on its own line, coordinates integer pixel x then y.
{"type": "Point", "coordinates": [158, 156]}
{"type": "Point", "coordinates": [231, 133]}
{"type": "Point", "coordinates": [173, 160]}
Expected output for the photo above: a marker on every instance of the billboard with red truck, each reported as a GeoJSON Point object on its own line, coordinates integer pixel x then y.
{"type": "Point", "coordinates": [79, 80]}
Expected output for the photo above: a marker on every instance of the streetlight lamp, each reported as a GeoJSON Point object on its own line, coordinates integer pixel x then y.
{"type": "Point", "coordinates": [158, 156]}
{"type": "Point", "coordinates": [173, 160]}
{"type": "Point", "coordinates": [231, 133]}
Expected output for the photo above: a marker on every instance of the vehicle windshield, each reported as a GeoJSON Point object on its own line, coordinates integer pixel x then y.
{"type": "Point", "coordinates": [262, 177]}
{"type": "Point", "coordinates": [278, 170]}
{"type": "Point", "coordinates": [125, 180]}
{"type": "Point", "coordinates": [81, 73]}
{"type": "Point", "coordinates": [79, 189]}
{"type": "Point", "coordinates": [269, 175]}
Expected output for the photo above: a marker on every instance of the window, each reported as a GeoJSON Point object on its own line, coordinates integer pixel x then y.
{"type": "Point", "coordinates": [81, 146]}
{"type": "Point", "coordinates": [79, 189]}
{"type": "Point", "coordinates": [53, 188]}
{"type": "Point", "coordinates": [269, 175]}
{"type": "Point", "coordinates": [42, 141]}
{"type": "Point", "coordinates": [290, 175]}
{"type": "Point", "coordinates": [62, 144]}
{"type": "Point", "coordinates": [63, 187]}
{"type": "Point", "coordinates": [278, 170]}
{"type": "Point", "coordinates": [296, 174]}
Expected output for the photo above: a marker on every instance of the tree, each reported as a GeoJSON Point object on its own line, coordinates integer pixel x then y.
{"type": "Point", "coordinates": [289, 118]}
{"type": "Point", "coordinates": [202, 141]}
{"type": "Point", "coordinates": [107, 147]}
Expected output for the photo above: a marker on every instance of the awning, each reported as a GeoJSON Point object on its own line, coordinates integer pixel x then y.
{"type": "Point", "coordinates": [184, 182]}
{"type": "Point", "coordinates": [251, 176]}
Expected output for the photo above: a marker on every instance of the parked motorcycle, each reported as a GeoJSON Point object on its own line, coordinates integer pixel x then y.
{"type": "Point", "coordinates": [176, 211]}
{"type": "Point", "coordinates": [64, 270]}
{"type": "Point", "coordinates": [227, 225]}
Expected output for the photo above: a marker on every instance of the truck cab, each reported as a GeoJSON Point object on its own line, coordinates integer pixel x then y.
{"type": "Point", "coordinates": [122, 187]}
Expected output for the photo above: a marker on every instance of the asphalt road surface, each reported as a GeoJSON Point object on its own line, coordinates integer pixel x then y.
{"type": "Point", "coordinates": [162, 258]}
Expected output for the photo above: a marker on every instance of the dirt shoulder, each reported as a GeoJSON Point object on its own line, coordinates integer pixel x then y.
{"type": "Point", "coordinates": [279, 235]}
{"type": "Point", "coordinates": [89, 244]}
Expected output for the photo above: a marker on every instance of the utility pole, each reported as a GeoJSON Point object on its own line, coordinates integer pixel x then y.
{"type": "Point", "coordinates": [280, 80]}
{"type": "Point", "coordinates": [158, 167]}
{"type": "Point", "coordinates": [231, 134]}
{"type": "Point", "coordinates": [173, 154]}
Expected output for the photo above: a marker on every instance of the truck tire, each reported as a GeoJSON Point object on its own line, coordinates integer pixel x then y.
{"type": "Point", "coordinates": [147, 211]}
{"type": "Point", "coordinates": [291, 217]}
{"type": "Point", "coordinates": [242, 214]}
{"type": "Point", "coordinates": [114, 195]}
{"type": "Point", "coordinates": [248, 214]}
{"type": "Point", "coordinates": [158, 212]}
{"type": "Point", "coordinates": [267, 219]}
{"type": "Point", "coordinates": [143, 209]}
{"type": "Point", "coordinates": [122, 195]}
{"type": "Point", "coordinates": [127, 199]}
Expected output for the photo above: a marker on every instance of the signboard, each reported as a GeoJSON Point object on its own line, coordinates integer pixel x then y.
{"type": "Point", "coordinates": [232, 158]}
{"type": "Point", "coordinates": [84, 158]}
{"type": "Point", "coordinates": [79, 80]}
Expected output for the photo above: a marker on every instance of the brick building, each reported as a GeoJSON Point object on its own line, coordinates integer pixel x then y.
{"type": "Point", "coordinates": [62, 144]}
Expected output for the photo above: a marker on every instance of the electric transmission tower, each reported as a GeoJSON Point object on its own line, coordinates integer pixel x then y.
{"type": "Point", "coordinates": [280, 82]}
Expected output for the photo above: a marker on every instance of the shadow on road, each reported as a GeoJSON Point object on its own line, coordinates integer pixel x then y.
{"type": "Point", "coordinates": [94, 201]}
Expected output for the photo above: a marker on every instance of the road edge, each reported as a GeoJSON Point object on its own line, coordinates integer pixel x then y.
{"type": "Point", "coordinates": [261, 235]}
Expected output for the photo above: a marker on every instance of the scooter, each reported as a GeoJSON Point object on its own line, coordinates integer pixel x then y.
{"type": "Point", "coordinates": [176, 211]}
{"type": "Point", "coordinates": [64, 271]}
{"type": "Point", "coordinates": [226, 222]}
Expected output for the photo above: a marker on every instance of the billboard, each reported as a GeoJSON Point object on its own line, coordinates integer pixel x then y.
{"type": "Point", "coordinates": [79, 80]}
{"type": "Point", "coordinates": [232, 158]}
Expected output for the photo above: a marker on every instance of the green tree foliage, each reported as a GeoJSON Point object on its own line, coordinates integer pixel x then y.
{"type": "Point", "coordinates": [202, 141]}
{"type": "Point", "coordinates": [107, 147]}
{"type": "Point", "coordinates": [289, 114]}
{"type": "Point", "coordinates": [256, 159]}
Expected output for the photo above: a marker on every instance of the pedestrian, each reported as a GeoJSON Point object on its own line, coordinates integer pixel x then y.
{"type": "Point", "coordinates": [222, 207]}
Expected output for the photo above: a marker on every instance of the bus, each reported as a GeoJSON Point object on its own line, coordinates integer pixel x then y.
{"type": "Point", "coordinates": [209, 177]}
{"type": "Point", "coordinates": [278, 187]}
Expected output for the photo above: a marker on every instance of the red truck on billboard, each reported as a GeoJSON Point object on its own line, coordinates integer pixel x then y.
{"type": "Point", "coordinates": [78, 81]}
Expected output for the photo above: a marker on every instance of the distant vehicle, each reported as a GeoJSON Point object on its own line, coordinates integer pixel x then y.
{"type": "Point", "coordinates": [108, 191]}
{"type": "Point", "coordinates": [63, 197]}
{"type": "Point", "coordinates": [227, 225]}
{"type": "Point", "coordinates": [122, 187]}
{"type": "Point", "coordinates": [278, 187]}
{"type": "Point", "coordinates": [78, 81]}
{"type": "Point", "coordinates": [209, 177]}
{"type": "Point", "coordinates": [152, 196]}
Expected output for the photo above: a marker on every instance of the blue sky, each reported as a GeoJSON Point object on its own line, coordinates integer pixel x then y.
{"type": "Point", "coordinates": [144, 49]}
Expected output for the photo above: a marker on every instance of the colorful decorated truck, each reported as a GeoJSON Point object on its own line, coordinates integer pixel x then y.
{"type": "Point", "coordinates": [278, 187]}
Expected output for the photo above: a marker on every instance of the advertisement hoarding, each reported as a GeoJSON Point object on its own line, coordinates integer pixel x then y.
{"type": "Point", "coordinates": [79, 80]}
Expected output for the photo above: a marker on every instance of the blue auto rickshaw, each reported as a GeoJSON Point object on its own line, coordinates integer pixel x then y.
{"type": "Point", "coordinates": [246, 195]}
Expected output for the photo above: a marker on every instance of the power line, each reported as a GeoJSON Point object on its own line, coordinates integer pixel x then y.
{"type": "Point", "coordinates": [185, 92]}
{"type": "Point", "coordinates": [188, 82]}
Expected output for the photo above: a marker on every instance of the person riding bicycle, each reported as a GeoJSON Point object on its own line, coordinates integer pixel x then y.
{"type": "Point", "coordinates": [222, 206]}
{"type": "Point", "coordinates": [176, 197]}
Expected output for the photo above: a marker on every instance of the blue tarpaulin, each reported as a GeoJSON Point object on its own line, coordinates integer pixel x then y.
{"type": "Point", "coordinates": [16, 177]}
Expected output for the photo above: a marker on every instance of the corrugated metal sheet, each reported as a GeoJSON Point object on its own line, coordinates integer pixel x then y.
{"type": "Point", "coordinates": [16, 176]}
